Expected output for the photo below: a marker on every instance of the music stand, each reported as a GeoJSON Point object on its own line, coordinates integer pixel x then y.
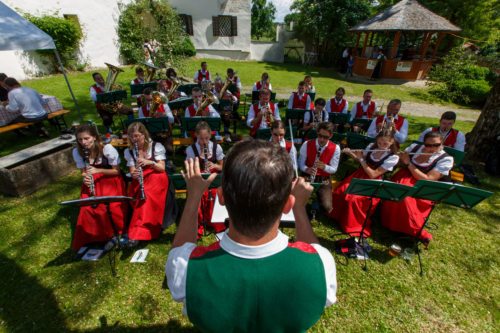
{"type": "Point", "coordinates": [373, 188]}
{"type": "Point", "coordinates": [358, 141]}
{"type": "Point", "coordinates": [94, 202]}
{"type": "Point", "coordinates": [448, 193]}
{"type": "Point", "coordinates": [180, 103]}
{"type": "Point", "coordinates": [361, 122]}
{"type": "Point", "coordinates": [138, 89]}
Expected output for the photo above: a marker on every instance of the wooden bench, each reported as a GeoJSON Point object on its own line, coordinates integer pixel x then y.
{"type": "Point", "coordinates": [58, 117]}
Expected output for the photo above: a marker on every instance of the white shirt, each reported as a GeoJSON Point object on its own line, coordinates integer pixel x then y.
{"type": "Point", "coordinates": [365, 107]}
{"type": "Point", "coordinates": [292, 153]}
{"type": "Point", "coordinates": [263, 123]}
{"type": "Point", "coordinates": [160, 154]}
{"type": "Point", "coordinates": [400, 135]}
{"type": "Point", "coordinates": [168, 112]}
{"type": "Point", "coordinates": [93, 93]}
{"type": "Point", "coordinates": [443, 166]}
{"type": "Point", "coordinates": [308, 102]}
{"type": "Point", "coordinates": [195, 77]}
{"type": "Point", "coordinates": [211, 112]}
{"type": "Point", "coordinates": [459, 143]}
{"type": "Point", "coordinates": [26, 101]}
{"type": "Point", "coordinates": [388, 164]}
{"type": "Point", "coordinates": [331, 167]}
{"type": "Point", "coordinates": [329, 105]}
{"type": "Point", "coordinates": [141, 81]}
{"type": "Point", "coordinates": [219, 153]}
{"type": "Point", "coordinates": [270, 87]}
{"type": "Point", "coordinates": [108, 151]}
{"type": "Point", "coordinates": [178, 258]}
{"type": "Point", "coordinates": [307, 116]}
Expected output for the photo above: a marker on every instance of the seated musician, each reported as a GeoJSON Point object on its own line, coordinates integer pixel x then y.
{"type": "Point", "coordinates": [193, 109]}
{"type": "Point", "coordinates": [100, 167]}
{"type": "Point", "coordinates": [338, 104]}
{"type": "Point", "coordinates": [429, 162]}
{"type": "Point", "coordinates": [211, 156]}
{"type": "Point", "coordinates": [227, 110]}
{"type": "Point", "coordinates": [202, 74]}
{"type": "Point", "coordinates": [366, 108]}
{"type": "Point", "coordinates": [265, 82]}
{"type": "Point", "coordinates": [309, 84]}
{"type": "Point", "coordinates": [139, 76]}
{"type": "Point", "coordinates": [218, 283]}
{"type": "Point", "coordinates": [452, 137]}
{"type": "Point", "coordinates": [278, 137]}
{"type": "Point", "coordinates": [392, 120]}
{"type": "Point", "coordinates": [349, 210]}
{"type": "Point", "coordinates": [318, 160]}
{"type": "Point", "coordinates": [146, 164]}
{"type": "Point", "coordinates": [3, 88]}
{"type": "Point", "coordinates": [237, 83]}
{"type": "Point", "coordinates": [149, 109]}
{"type": "Point", "coordinates": [313, 118]}
{"type": "Point", "coordinates": [261, 115]}
{"type": "Point", "coordinates": [106, 111]}
{"type": "Point", "coordinates": [300, 99]}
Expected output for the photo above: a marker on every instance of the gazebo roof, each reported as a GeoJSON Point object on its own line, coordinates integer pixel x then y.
{"type": "Point", "coordinates": [406, 15]}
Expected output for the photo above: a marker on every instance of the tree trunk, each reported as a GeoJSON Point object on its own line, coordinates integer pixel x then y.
{"type": "Point", "coordinates": [482, 139]}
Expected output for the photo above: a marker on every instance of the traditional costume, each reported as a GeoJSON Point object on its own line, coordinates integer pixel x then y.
{"type": "Point", "coordinates": [453, 138]}
{"type": "Point", "coordinates": [254, 111]}
{"type": "Point", "coordinates": [336, 106]}
{"type": "Point", "coordinates": [400, 123]}
{"type": "Point", "coordinates": [364, 111]}
{"type": "Point", "coordinates": [297, 101]}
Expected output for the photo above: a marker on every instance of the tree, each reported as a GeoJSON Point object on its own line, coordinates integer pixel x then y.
{"type": "Point", "coordinates": [262, 18]}
{"type": "Point", "coordinates": [323, 24]}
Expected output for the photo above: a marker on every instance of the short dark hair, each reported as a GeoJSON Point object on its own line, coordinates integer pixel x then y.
{"type": "Point", "coordinates": [147, 91]}
{"type": "Point", "coordinates": [230, 70]}
{"type": "Point", "coordinates": [203, 63]}
{"type": "Point", "coordinates": [95, 74]}
{"type": "Point", "coordinates": [449, 115]}
{"type": "Point", "coordinates": [320, 101]}
{"type": "Point", "coordinates": [433, 134]}
{"type": "Point", "coordinates": [264, 90]}
{"type": "Point", "coordinates": [171, 72]}
{"type": "Point", "coordinates": [327, 126]}
{"type": "Point", "coordinates": [11, 82]}
{"type": "Point", "coordinates": [368, 91]}
{"type": "Point", "coordinates": [3, 76]}
{"type": "Point", "coordinates": [340, 89]}
{"type": "Point", "coordinates": [302, 83]}
{"type": "Point", "coordinates": [265, 75]}
{"type": "Point", "coordinates": [277, 124]}
{"type": "Point", "coordinates": [139, 70]}
{"type": "Point", "coordinates": [395, 101]}
{"type": "Point", "coordinates": [195, 89]}
{"type": "Point", "coordinates": [264, 170]}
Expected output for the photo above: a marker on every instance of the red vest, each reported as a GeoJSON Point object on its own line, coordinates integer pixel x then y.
{"type": "Point", "coordinates": [337, 108]}
{"type": "Point", "coordinates": [288, 146]}
{"type": "Point", "coordinates": [450, 139]}
{"type": "Point", "coordinates": [299, 103]}
{"type": "Point", "coordinates": [136, 81]}
{"type": "Point", "coordinates": [98, 90]}
{"type": "Point", "coordinates": [325, 157]}
{"type": "Point", "coordinates": [192, 111]}
{"type": "Point", "coordinates": [369, 111]}
{"type": "Point", "coordinates": [256, 126]}
{"type": "Point", "coordinates": [202, 76]}
{"type": "Point", "coordinates": [397, 122]}
{"type": "Point", "coordinates": [258, 85]}
{"type": "Point", "coordinates": [145, 111]}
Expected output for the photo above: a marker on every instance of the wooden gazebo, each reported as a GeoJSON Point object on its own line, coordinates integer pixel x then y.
{"type": "Point", "coordinates": [407, 16]}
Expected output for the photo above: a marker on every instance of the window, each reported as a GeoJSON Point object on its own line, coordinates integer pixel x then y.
{"type": "Point", "coordinates": [225, 26]}
{"type": "Point", "coordinates": [187, 23]}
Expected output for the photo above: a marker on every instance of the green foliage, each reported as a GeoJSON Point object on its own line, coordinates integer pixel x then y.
{"type": "Point", "coordinates": [460, 79]}
{"type": "Point", "coordinates": [142, 20]}
{"type": "Point", "coordinates": [262, 19]}
{"type": "Point", "coordinates": [186, 48]}
{"type": "Point", "coordinates": [67, 36]}
{"type": "Point", "coordinates": [323, 24]}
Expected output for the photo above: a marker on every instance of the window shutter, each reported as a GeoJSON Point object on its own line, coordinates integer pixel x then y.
{"type": "Point", "coordinates": [190, 25]}
{"type": "Point", "coordinates": [215, 25]}
{"type": "Point", "coordinates": [234, 26]}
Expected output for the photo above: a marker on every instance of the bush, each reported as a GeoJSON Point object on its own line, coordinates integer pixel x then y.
{"type": "Point", "coordinates": [186, 48]}
{"type": "Point", "coordinates": [472, 91]}
{"type": "Point", "coordinates": [66, 34]}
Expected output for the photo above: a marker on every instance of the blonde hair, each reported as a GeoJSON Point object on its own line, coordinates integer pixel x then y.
{"type": "Point", "coordinates": [138, 127]}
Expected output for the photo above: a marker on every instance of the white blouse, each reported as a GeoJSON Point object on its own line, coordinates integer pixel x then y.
{"type": "Point", "coordinates": [443, 166]}
{"type": "Point", "coordinates": [108, 151]}
{"type": "Point", "coordinates": [388, 164]}
{"type": "Point", "coordinates": [159, 154]}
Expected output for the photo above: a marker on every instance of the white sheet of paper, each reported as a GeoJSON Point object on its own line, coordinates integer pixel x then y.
{"type": "Point", "coordinates": [140, 255]}
{"type": "Point", "coordinates": [219, 214]}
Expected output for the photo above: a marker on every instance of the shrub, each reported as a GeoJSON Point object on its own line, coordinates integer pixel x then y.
{"type": "Point", "coordinates": [186, 48]}
{"type": "Point", "coordinates": [472, 91]}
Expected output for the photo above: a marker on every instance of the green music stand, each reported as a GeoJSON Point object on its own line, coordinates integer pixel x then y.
{"type": "Point", "coordinates": [189, 124]}
{"type": "Point", "coordinates": [372, 188]}
{"type": "Point", "coordinates": [112, 96]}
{"type": "Point", "coordinates": [358, 141]}
{"type": "Point", "coordinates": [448, 193]}
{"type": "Point", "coordinates": [361, 122]}
{"type": "Point", "coordinates": [312, 95]}
{"type": "Point", "coordinates": [138, 89]}
{"type": "Point", "coordinates": [294, 115]}
{"type": "Point", "coordinates": [187, 88]}
{"type": "Point", "coordinates": [153, 125]}
{"type": "Point", "coordinates": [339, 118]}
{"type": "Point", "coordinates": [180, 103]}
{"type": "Point", "coordinates": [339, 138]}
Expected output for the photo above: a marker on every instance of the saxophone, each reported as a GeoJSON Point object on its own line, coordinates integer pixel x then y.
{"type": "Point", "coordinates": [86, 159]}
{"type": "Point", "coordinates": [139, 169]}
{"type": "Point", "coordinates": [315, 166]}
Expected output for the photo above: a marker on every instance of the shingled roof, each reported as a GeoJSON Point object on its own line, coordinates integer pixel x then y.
{"type": "Point", "coordinates": [406, 15]}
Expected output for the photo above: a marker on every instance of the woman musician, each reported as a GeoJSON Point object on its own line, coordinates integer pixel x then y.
{"type": "Point", "coordinates": [312, 118]}
{"type": "Point", "coordinates": [211, 156]}
{"type": "Point", "coordinates": [146, 162]}
{"type": "Point", "coordinates": [101, 177]}
{"type": "Point", "coordinates": [378, 158]}
{"type": "Point", "coordinates": [278, 136]}
{"type": "Point", "coordinates": [428, 162]}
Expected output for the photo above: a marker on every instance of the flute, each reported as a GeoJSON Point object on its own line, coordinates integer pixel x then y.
{"type": "Point", "coordinates": [364, 150]}
{"type": "Point", "coordinates": [86, 158]}
{"type": "Point", "coordinates": [139, 169]}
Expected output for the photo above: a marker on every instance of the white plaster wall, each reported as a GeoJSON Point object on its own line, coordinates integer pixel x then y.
{"type": "Point", "coordinates": [265, 51]}
{"type": "Point", "coordinates": [98, 21]}
{"type": "Point", "coordinates": [202, 12]}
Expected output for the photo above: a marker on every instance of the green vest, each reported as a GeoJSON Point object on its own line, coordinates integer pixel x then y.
{"type": "Point", "coordinates": [285, 292]}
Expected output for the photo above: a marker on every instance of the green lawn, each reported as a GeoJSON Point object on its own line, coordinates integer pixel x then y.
{"type": "Point", "coordinates": [43, 289]}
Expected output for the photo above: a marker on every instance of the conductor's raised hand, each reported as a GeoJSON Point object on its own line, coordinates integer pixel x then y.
{"type": "Point", "coordinates": [195, 183]}
{"type": "Point", "coordinates": [301, 190]}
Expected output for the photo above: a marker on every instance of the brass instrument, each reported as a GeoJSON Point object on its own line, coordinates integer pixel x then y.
{"type": "Point", "coordinates": [210, 98]}
{"type": "Point", "coordinates": [86, 159]}
{"type": "Point", "coordinates": [225, 86]}
{"type": "Point", "coordinates": [110, 85]}
{"type": "Point", "coordinates": [157, 100]}
{"type": "Point", "coordinates": [380, 110]}
{"type": "Point", "coordinates": [269, 117]}
{"type": "Point", "coordinates": [175, 84]}
{"type": "Point", "coordinates": [142, 195]}
{"type": "Point", "coordinates": [315, 166]}
{"type": "Point", "coordinates": [150, 71]}
{"type": "Point", "coordinates": [387, 124]}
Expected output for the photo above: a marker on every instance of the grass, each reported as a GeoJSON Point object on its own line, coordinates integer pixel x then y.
{"type": "Point", "coordinates": [43, 289]}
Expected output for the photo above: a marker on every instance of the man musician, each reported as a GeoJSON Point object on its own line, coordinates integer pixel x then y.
{"type": "Point", "coordinates": [392, 119]}
{"type": "Point", "coordinates": [452, 138]}
{"type": "Point", "coordinates": [300, 99]}
{"type": "Point", "coordinates": [264, 83]}
{"type": "Point", "coordinates": [366, 108]}
{"type": "Point", "coordinates": [139, 76]}
{"type": "Point", "coordinates": [192, 110]}
{"type": "Point", "coordinates": [262, 114]}
{"type": "Point", "coordinates": [202, 74]}
{"type": "Point", "coordinates": [145, 103]}
{"type": "Point", "coordinates": [338, 104]}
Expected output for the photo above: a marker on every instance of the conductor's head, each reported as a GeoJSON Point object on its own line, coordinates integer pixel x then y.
{"type": "Point", "coordinates": [256, 185]}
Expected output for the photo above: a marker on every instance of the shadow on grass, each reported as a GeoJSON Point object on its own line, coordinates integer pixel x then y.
{"type": "Point", "coordinates": [172, 326]}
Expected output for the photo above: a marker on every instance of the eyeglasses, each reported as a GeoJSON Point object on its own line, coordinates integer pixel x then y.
{"type": "Point", "coordinates": [326, 137]}
{"type": "Point", "coordinates": [435, 145]}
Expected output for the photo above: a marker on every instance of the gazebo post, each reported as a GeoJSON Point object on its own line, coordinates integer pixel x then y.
{"type": "Point", "coordinates": [438, 42]}
{"type": "Point", "coordinates": [395, 44]}
{"type": "Point", "coordinates": [364, 43]}
{"type": "Point", "coordinates": [425, 45]}
{"type": "Point", "coordinates": [358, 36]}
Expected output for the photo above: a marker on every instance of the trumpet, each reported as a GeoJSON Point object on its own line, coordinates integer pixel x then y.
{"type": "Point", "coordinates": [142, 195]}
{"type": "Point", "coordinates": [269, 117]}
{"type": "Point", "coordinates": [315, 166]}
{"type": "Point", "coordinates": [86, 159]}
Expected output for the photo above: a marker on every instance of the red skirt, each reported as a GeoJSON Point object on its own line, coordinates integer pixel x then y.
{"type": "Point", "coordinates": [205, 211]}
{"type": "Point", "coordinates": [350, 210]}
{"type": "Point", "coordinates": [408, 215]}
{"type": "Point", "coordinates": [147, 216]}
{"type": "Point", "coordinates": [93, 224]}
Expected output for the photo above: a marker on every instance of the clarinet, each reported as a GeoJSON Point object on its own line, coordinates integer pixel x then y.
{"type": "Point", "coordinates": [139, 169]}
{"type": "Point", "coordinates": [315, 166]}
{"type": "Point", "coordinates": [86, 158]}
{"type": "Point", "coordinates": [205, 158]}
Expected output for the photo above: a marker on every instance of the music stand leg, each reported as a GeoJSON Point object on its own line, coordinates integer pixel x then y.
{"type": "Point", "coordinates": [112, 255]}
{"type": "Point", "coordinates": [362, 239]}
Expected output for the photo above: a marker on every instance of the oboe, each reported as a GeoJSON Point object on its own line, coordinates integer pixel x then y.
{"type": "Point", "coordinates": [86, 158]}
{"type": "Point", "coordinates": [315, 166]}
{"type": "Point", "coordinates": [139, 170]}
